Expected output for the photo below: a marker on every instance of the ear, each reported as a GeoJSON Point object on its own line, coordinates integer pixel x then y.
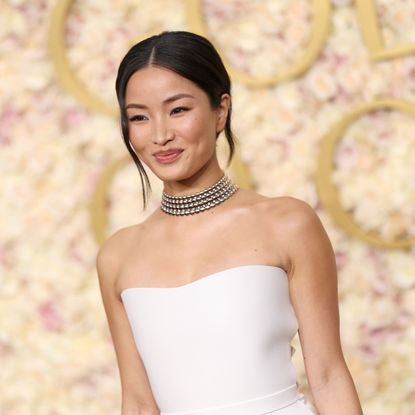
{"type": "Point", "coordinates": [222, 112]}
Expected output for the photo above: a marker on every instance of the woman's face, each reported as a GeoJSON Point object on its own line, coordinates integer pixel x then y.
{"type": "Point", "coordinates": [166, 111]}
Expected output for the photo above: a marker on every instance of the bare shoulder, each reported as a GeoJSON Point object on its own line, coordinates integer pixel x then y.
{"type": "Point", "coordinates": [294, 213]}
{"type": "Point", "coordinates": [304, 228]}
{"type": "Point", "coordinates": [305, 238]}
{"type": "Point", "coordinates": [111, 252]}
{"type": "Point", "coordinates": [297, 217]}
{"type": "Point", "coordinates": [294, 227]}
{"type": "Point", "coordinates": [287, 211]}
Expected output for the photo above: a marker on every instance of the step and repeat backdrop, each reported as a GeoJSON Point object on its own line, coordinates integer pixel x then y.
{"type": "Point", "coordinates": [324, 110]}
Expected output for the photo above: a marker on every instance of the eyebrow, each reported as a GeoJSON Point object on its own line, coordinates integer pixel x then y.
{"type": "Point", "coordinates": [166, 101]}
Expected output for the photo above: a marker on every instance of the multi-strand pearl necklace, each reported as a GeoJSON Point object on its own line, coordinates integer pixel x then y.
{"type": "Point", "coordinates": [200, 201]}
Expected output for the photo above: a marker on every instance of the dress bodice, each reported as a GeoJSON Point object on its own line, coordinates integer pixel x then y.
{"type": "Point", "coordinates": [218, 345]}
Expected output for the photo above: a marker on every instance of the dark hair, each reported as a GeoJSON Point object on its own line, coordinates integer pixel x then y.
{"type": "Point", "coordinates": [191, 56]}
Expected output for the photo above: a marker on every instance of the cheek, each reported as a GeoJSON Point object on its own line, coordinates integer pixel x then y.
{"type": "Point", "coordinates": [198, 126]}
{"type": "Point", "coordinates": [192, 127]}
{"type": "Point", "coordinates": [138, 137]}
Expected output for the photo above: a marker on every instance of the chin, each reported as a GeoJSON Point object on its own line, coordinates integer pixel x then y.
{"type": "Point", "coordinates": [171, 175]}
{"type": "Point", "coordinates": [172, 172]}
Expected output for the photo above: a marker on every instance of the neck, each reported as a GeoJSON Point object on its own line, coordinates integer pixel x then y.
{"type": "Point", "coordinates": [199, 201]}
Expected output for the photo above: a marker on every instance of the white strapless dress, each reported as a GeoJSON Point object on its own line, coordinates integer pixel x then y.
{"type": "Point", "coordinates": [219, 345]}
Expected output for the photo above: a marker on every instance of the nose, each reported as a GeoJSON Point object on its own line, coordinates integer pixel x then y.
{"type": "Point", "coordinates": [162, 133]}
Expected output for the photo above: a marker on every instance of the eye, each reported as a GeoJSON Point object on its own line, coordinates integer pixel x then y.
{"type": "Point", "coordinates": [137, 118]}
{"type": "Point", "coordinates": [178, 110]}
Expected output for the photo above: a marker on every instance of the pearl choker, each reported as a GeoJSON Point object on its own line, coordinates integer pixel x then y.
{"type": "Point", "coordinates": [200, 201]}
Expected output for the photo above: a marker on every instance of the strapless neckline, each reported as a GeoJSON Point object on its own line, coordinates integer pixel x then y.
{"type": "Point", "coordinates": [205, 279]}
{"type": "Point", "coordinates": [219, 344]}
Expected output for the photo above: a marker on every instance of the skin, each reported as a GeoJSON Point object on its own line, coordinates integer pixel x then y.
{"type": "Point", "coordinates": [283, 231]}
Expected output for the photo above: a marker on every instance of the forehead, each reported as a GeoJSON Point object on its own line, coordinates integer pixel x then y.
{"type": "Point", "coordinates": [156, 82]}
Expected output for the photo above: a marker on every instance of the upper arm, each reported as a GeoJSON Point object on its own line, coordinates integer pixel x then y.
{"type": "Point", "coordinates": [314, 293]}
{"type": "Point", "coordinates": [136, 391]}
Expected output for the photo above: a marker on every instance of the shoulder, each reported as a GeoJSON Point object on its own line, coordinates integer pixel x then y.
{"type": "Point", "coordinates": [287, 215]}
{"type": "Point", "coordinates": [296, 227]}
{"type": "Point", "coordinates": [112, 251]}
{"type": "Point", "coordinates": [297, 218]}
{"type": "Point", "coordinates": [290, 212]}
{"type": "Point", "coordinates": [294, 213]}
{"type": "Point", "coordinates": [302, 234]}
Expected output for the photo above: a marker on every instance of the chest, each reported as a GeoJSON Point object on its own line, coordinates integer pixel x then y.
{"type": "Point", "coordinates": [170, 258]}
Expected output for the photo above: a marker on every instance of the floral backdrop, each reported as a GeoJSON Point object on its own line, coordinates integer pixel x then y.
{"type": "Point", "coordinates": [55, 349]}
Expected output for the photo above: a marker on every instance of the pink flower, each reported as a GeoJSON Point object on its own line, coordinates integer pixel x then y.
{"type": "Point", "coordinates": [49, 316]}
{"type": "Point", "coordinates": [7, 117]}
{"type": "Point", "coordinates": [74, 117]}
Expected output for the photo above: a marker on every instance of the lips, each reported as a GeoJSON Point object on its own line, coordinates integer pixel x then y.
{"type": "Point", "coordinates": [168, 155]}
{"type": "Point", "coordinates": [168, 152]}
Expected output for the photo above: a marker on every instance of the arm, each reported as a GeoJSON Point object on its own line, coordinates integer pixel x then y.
{"type": "Point", "coordinates": [313, 291]}
{"type": "Point", "coordinates": [137, 397]}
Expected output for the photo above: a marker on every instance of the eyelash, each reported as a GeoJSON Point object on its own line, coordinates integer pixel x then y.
{"type": "Point", "coordinates": [135, 118]}
{"type": "Point", "coordinates": [138, 117]}
{"type": "Point", "coordinates": [180, 108]}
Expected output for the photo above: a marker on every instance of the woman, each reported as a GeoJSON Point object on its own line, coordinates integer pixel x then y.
{"type": "Point", "coordinates": [204, 297]}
